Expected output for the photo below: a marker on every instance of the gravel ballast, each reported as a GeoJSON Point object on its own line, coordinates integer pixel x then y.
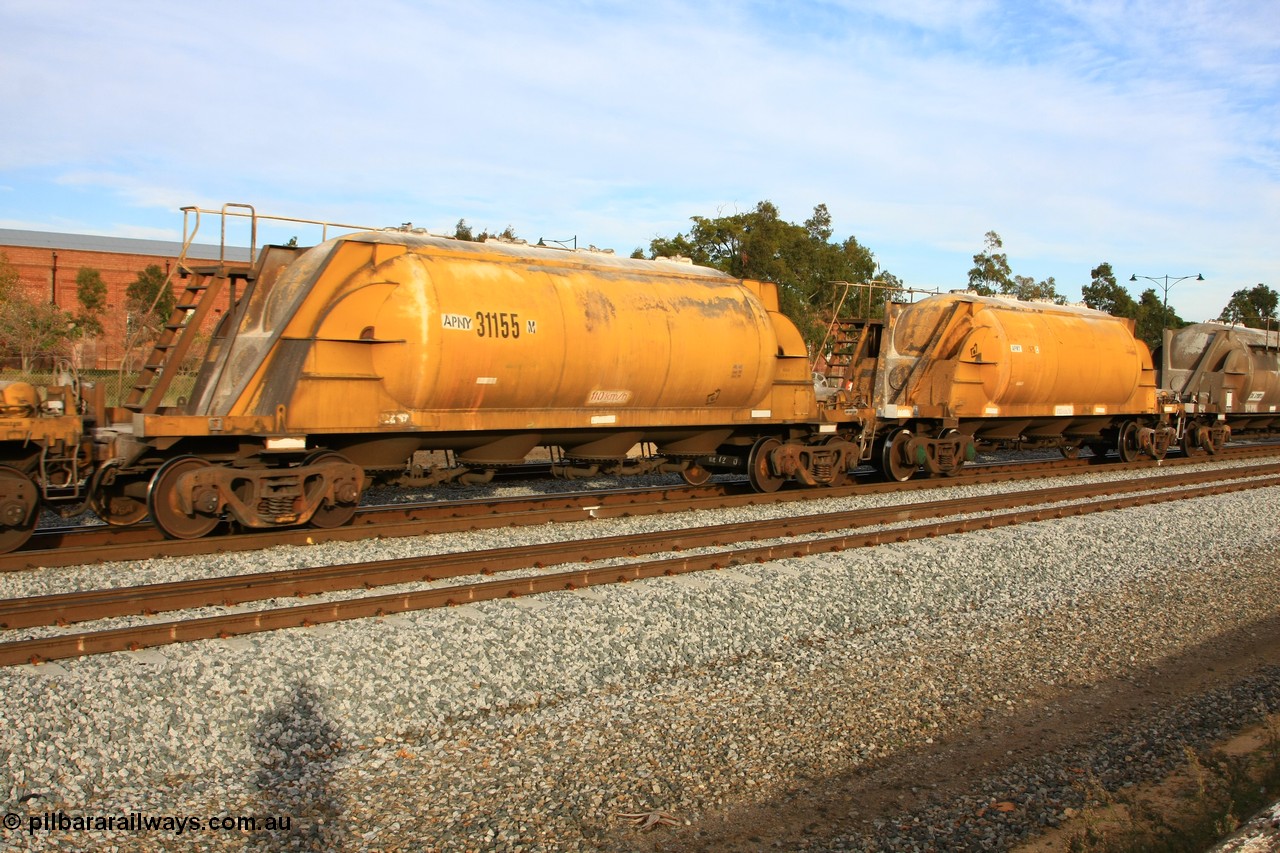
{"type": "Point", "coordinates": [535, 724]}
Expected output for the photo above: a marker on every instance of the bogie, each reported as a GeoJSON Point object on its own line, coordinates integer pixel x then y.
{"type": "Point", "coordinates": [341, 363]}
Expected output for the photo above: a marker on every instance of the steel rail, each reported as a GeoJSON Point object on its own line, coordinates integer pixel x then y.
{"type": "Point", "coordinates": [229, 590]}
{"type": "Point", "coordinates": [120, 639]}
{"type": "Point", "coordinates": [64, 548]}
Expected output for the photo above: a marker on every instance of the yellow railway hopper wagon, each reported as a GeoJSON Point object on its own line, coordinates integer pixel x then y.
{"type": "Point", "coordinates": [953, 372]}
{"type": "Point", "coordinates": [364, 356]}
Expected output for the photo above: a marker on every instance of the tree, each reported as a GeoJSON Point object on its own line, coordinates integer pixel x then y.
{"type": "Point", "coordinates": [801, 259]}
{"type": "Point", "coordinates": [150, 303]}
{"type": "Point", "coordinates": [91, 293]}
{"type": "Point", "coordinates": [463, 231]}
{"type": "Point", "coordinates": [28, 328]}
{"type": "Point", "coordinates": [8, 277]}
{"type": "Point", "coordinates": [42, 329]}
{"type": "Point", "coordinates": [1104, 293]}
{"type": "Point", "coordinates": [1254, 307]}
{"type": "Point", "coordinates": [9, 294]}
{"type": "Point", "coordinates": [990, 272]}
{"type": "Point", "coordinates": [1153, 317]}
{"type": "Point", "coordinates": [819, 225]}
{"type": "Point", "coordinates": [1026, 287]}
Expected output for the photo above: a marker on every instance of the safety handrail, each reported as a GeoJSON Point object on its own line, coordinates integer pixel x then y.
{"type": "Point", "coordinates": [247, 211]}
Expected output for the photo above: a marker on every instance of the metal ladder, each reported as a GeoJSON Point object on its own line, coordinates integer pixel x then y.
{"type": "Point", "coordinates": [845, 338]}
{"type": "Point", "coordinates": [175, 339]}
{"type": "Point", "coordinates": [190, 309]}
{"type": "Point", "coordinates": [202, 293]}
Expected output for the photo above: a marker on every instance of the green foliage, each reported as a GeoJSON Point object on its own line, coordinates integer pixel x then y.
{"type": "Point", "coordinates": [8, 277]}
{"type": "Point", "coordinates": [801, 259]}
{"type": "Point", "coordinates": [91, 293]}
{"type": "Point", "coordinates": [990, 273]}
{"type": "Point", "coordinates": [29, 328]}
{"type": "Point", "coordinates": [1254, 307]}
{"type": "Point", "coordinates": [1026, 287]}
{"type": "Point", "coordinates": [1149, 313]}
{"type": "Point", "coordinates": [1152, 318]}
{"type": "Point", "coordinates": [148, 307]}
{"type": "Point", "coordinates": [149, 295]}
{"type": "Point", "coordinates": [1104, 293]}
{"type": "Point", "coordinates": [463, 231]}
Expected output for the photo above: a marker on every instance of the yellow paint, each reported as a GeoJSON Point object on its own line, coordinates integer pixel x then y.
{"type": "Point", "coordinates": [453, 335]}
{"type": "Point", "coordinates": [1023, 359]}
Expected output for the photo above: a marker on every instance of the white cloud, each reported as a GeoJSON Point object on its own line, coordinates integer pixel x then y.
{"type": "Point", "coordinates": [1136, 132]}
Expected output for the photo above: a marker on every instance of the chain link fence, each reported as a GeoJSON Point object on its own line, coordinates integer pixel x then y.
{"type": "Point", "coordinates": [117, 385]}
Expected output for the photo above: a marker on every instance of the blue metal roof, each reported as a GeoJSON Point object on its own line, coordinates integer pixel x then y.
{"type": "Point", "coordinates": [116, 245]}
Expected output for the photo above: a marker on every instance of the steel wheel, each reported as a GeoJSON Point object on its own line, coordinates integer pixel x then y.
{"type": "Point", "coordinates": [1127, 442]}
{"type": "Point", "coordinates": [1070, 451]}
{"type": "Point", "coordinates": [892, 464]}
{"type": "Point", "coordinates": [330, 515]}
{"type": "Point", "coordinates": [18, 501]}
{"type": "Point", "coordinates": [695, 475]}
{"type": "Point", "coordinates": [119, 501]}
{"type": "Point", "coordinates": [162, 500]}
{"type": "Point", "coordinates": [758, 473]}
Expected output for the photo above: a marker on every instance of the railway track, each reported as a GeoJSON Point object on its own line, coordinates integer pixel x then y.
{"type": "Point", "coordinates": [97, 544]}
{"type": "Point", "coordinates": [823, 532]}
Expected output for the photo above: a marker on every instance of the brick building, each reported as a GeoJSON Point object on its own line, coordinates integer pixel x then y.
{"type": "Point", "coordinates": [47, 265]}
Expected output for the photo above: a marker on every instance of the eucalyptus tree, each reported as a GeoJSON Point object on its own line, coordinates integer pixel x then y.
{"type": "Point", "coordinates": [1104, 293]}
{"type": "Point", "coordinates": [1254, 307]}
{"type": "Point", "coordinates": [990, 273]}
{"type": "Point", "coordinates": [802, 259]}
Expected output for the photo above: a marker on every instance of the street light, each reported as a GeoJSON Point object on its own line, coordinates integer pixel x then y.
{"type": "Point", "coordinates": [1164, 282]}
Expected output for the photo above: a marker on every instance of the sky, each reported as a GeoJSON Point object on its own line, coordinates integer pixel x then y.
{"type": "Point", "coordinates": [1143, 134]}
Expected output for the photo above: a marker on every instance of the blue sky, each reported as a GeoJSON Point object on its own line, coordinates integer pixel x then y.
{"type": "Point", "coordinates": [1146, 134]}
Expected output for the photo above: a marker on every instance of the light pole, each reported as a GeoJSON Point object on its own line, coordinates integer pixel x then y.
{"type": "Point", "coordinates": [1165, 283]}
